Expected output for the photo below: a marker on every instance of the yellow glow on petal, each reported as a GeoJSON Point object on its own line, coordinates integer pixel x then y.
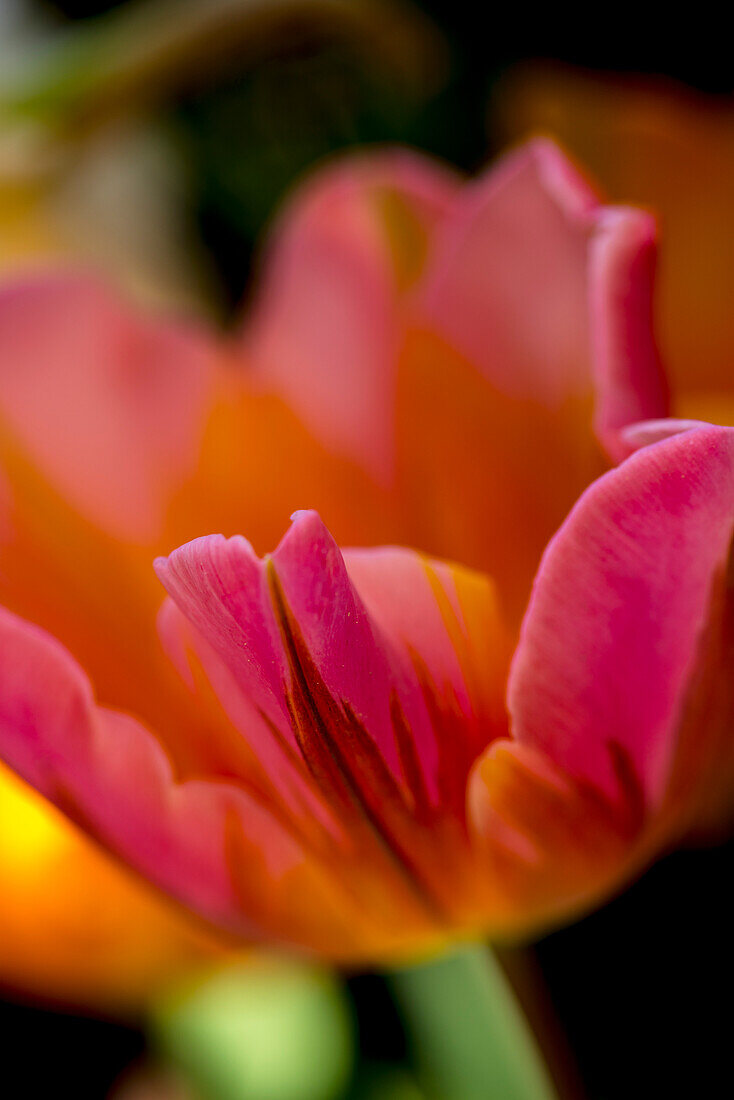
{"type": "Point", "coordinates": [32, 836]}
{"type": "Point", "coordinates": [74, 926]}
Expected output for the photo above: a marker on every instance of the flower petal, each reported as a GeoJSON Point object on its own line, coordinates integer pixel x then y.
{"type": "Point", "coordinates": [660, 144]}
{"type": "Point", "coordinates": [447, 621]}
{"type": "Point", "coordinates": [486, 478]}
{"type": "Point", "coordinates": [120, 437]}
{"type": "Point", "coordinates": [630, 383]}
{"type": "Point", "coordinates": [325, 323]}
{"type": "Point", "coordinates": [644, 432]}
{"type": "Point", "coordinates": [303, 604]}
{"type": "Point", "coordinates": [379, 717]}
{"type": "Point", "coordinates": [509, 280]}
{"type": "Point", "coordinates": [550, 844]}
{"type": "Point", "coordinates": [209, 843]}
{"type": "Point", "coordinates": [634, 583]}
{"type": "Point", "coordinates": [257, 462]}
{"type": "Point", "coordinates": [75, 926]}
{"type": "Point", "coordinates": [380, 675]}
{"type": "Point", "coordinates": [105, 770]}
{"type": "Point", "coordinates": [621, 735]}
{"type": "Point", "coordinates": [535, 304]}
{"type": "Point", "coordinates": [108, 405]}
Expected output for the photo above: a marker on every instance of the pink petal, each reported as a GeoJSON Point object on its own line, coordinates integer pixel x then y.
{"type": "Point", "coordinates": [644, 432]}
{"type": "Point", "coordinates": [107, 404]}
{"type": "Point", "coordinates": [324, 326]}
{"type": "Point", "coordinates": [296, 621]}
{"type": "Point", "coordinates": [618, 634]}
{"type": "Point", "coordinates": [532, 280]}
{"type": "Point", "coordinates": [214, 844]}
{"type": "Point", "coordinates": [231, 598]}
{"type": "Point", "coordinates": [107, 772]}
{"type": "Point", "coordinates": [220, 586]}
{"type": "Point", "coordinates": [630, 381]}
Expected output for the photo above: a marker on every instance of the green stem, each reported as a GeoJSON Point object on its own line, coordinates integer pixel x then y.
{"type": "Point", "coordinates": [470, 1037]}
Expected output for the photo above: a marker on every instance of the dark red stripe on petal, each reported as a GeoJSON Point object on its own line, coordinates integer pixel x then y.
{"type": "Point", "coordinates": [343, 759]}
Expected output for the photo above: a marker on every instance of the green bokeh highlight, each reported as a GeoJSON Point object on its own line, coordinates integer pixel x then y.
{"type": "Point", "coordinates": [266, 1030]}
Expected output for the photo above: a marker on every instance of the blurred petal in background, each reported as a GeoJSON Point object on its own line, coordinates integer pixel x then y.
{"type": "Point", "coordinates": [654, 142]}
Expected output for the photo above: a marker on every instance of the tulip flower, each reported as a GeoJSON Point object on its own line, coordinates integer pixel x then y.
{"type": "Point", "coordinates": [654, 142]}
{"type": "Point", "coordinates": [374, 797]}
{"type": "Point", "coordinates": [424, 361]}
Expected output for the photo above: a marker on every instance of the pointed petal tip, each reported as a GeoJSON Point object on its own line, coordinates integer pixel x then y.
{"type": "Point", "coordinates": [306, 533]}
{"type": "Point", "coordinates": [556, 173]}
{"type": "Point", "coordinates": [301, 515]}
{"type": "Point", "coordinates": [572, 190]}
{"type": "Point", "coordinates": [637, 225]}
{"type": "Point", "coordinates": [578, 195]}
{"type": "Point", "coordinates": [305, 521]}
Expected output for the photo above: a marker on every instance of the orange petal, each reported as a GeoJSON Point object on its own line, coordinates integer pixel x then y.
{"type": "Point", "coordinates": [76, 927]}
{"type": "Point", "coordinates": [258, 463]}
{"type": "Point", "coordinates": [550, 844]}
{"type": "Point", "coordinates": [488, 477]}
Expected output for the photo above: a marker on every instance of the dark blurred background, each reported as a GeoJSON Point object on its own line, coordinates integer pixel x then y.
{"type": "Point", "coordinates": [245, 136]}
{"type": "Point", "coordinates": [642, 987]}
